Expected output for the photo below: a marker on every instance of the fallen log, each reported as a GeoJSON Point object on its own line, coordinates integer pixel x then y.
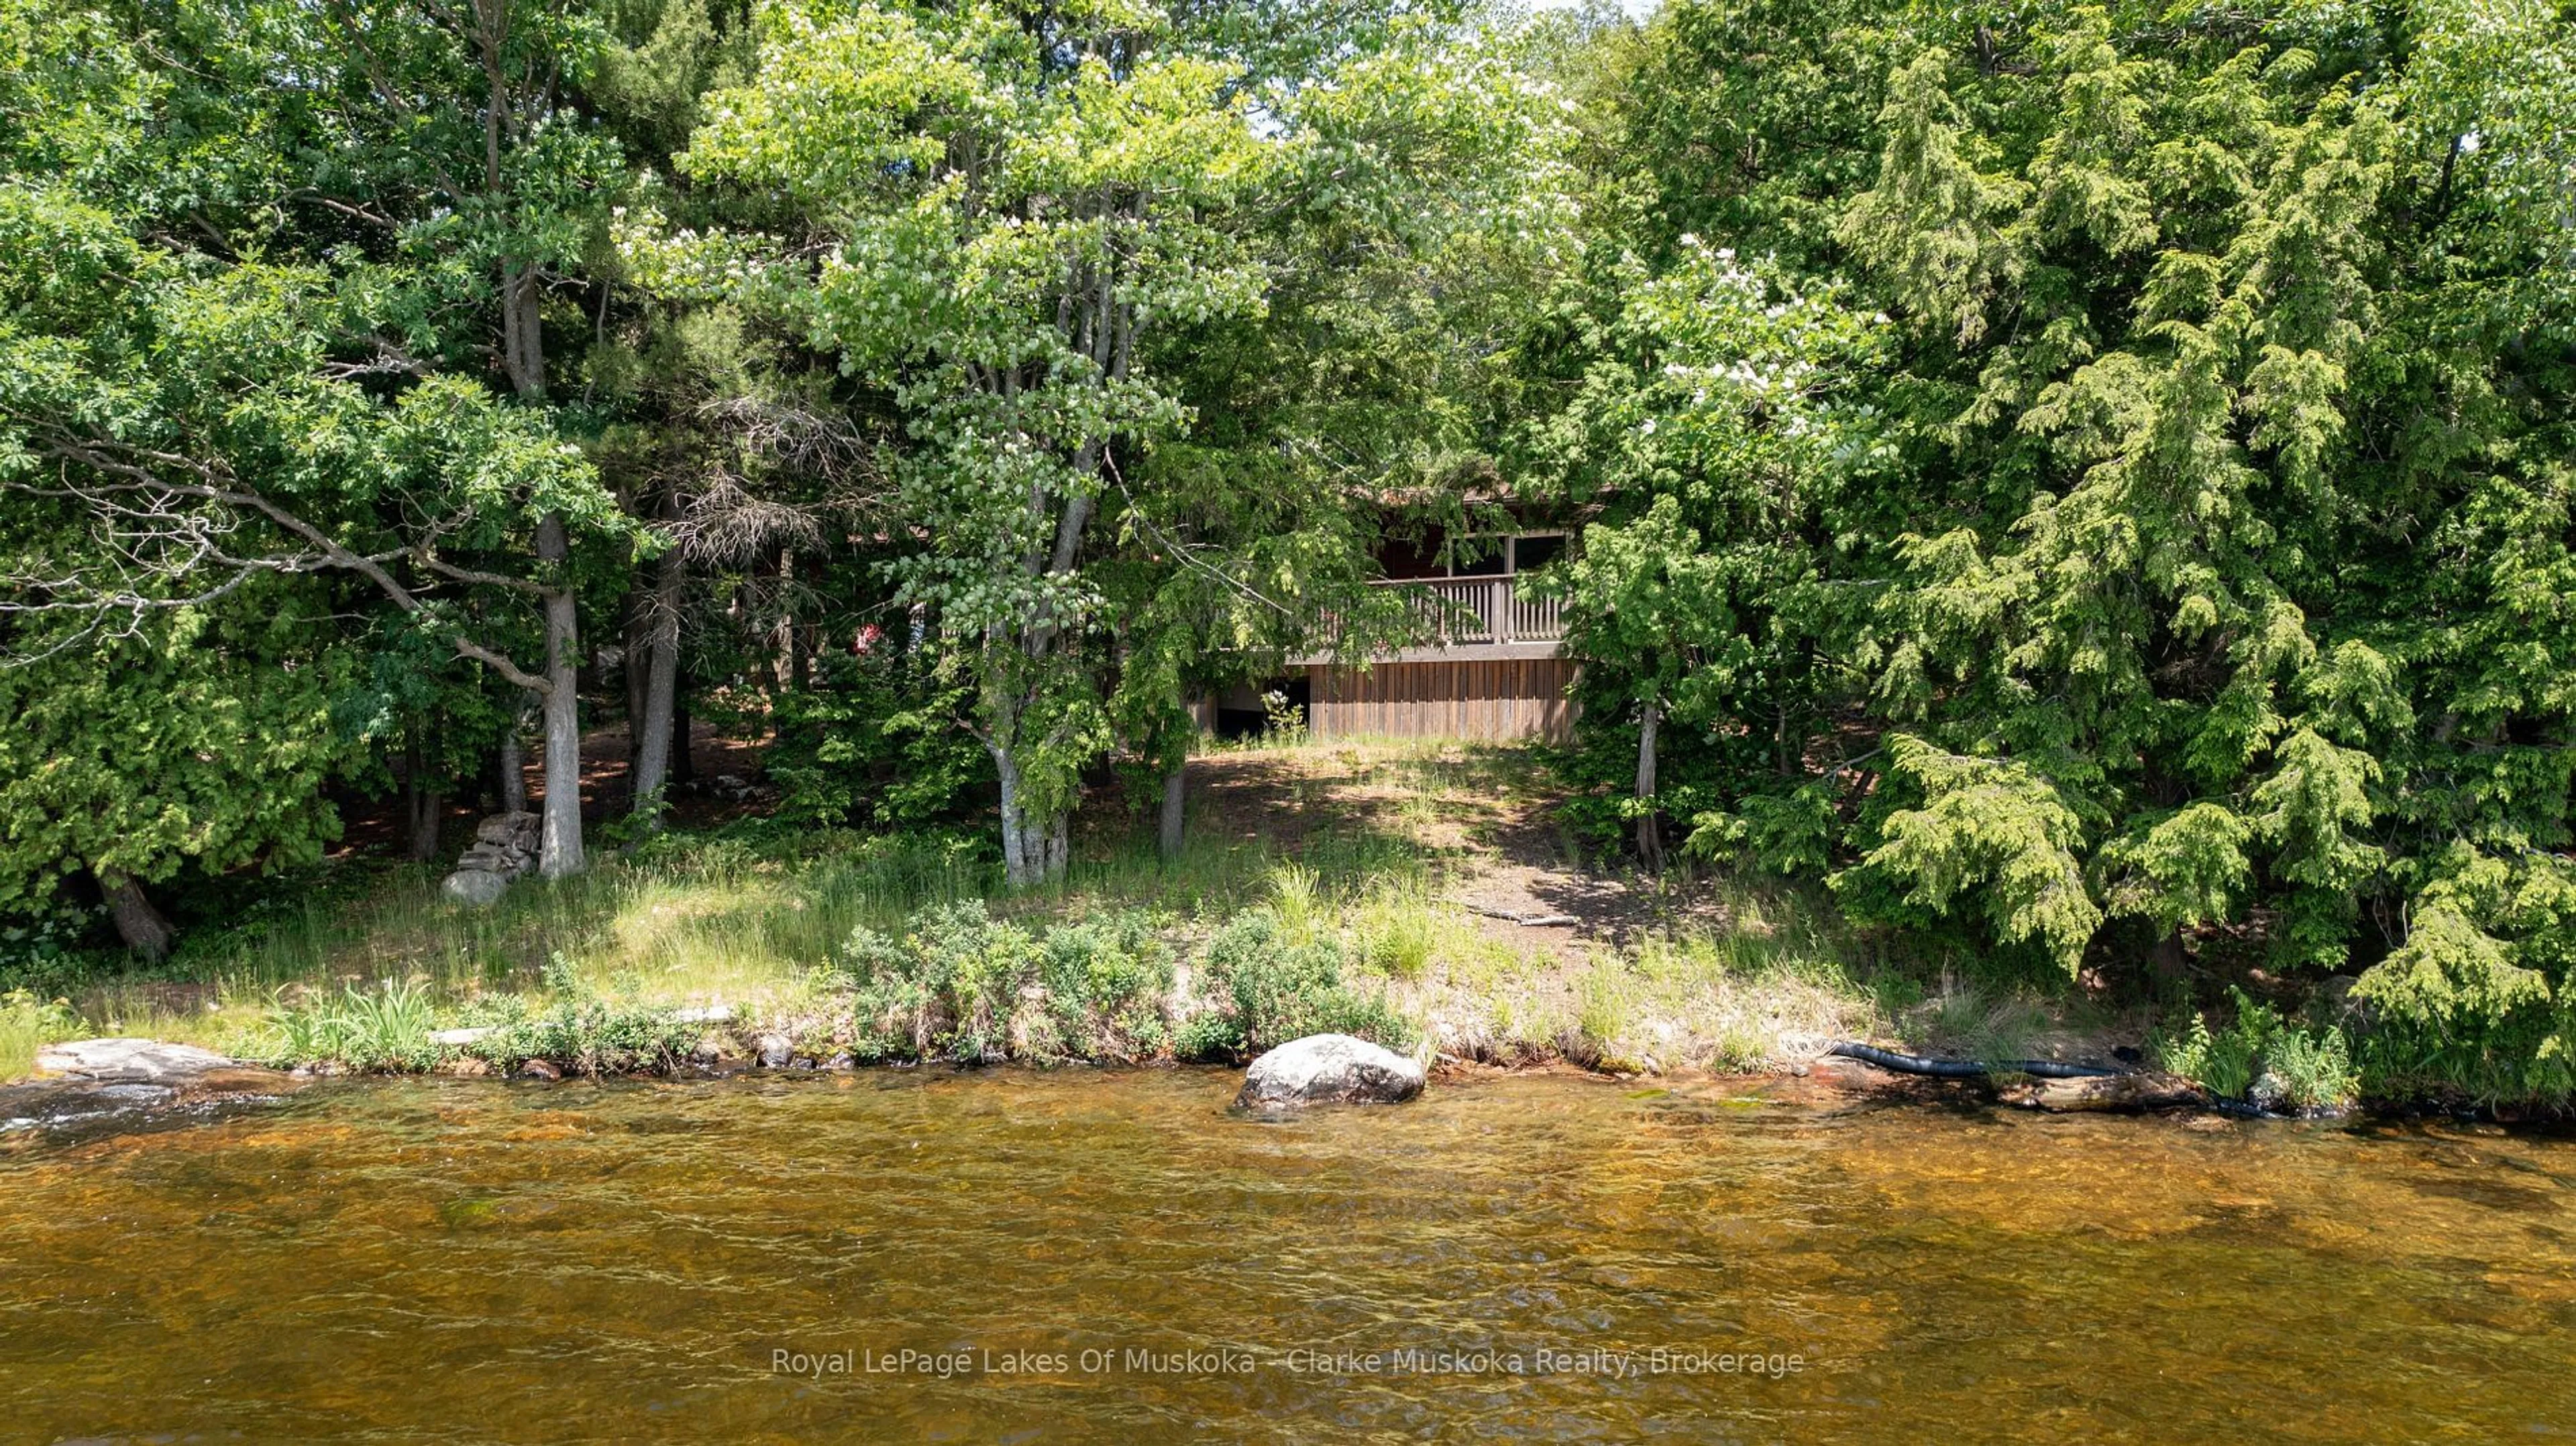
{"type": "Point", "coordinates": [1526, 921]}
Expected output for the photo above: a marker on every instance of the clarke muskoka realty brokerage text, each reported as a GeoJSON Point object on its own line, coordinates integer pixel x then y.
{"type": "Point", "coordinates": [1612, 1363]}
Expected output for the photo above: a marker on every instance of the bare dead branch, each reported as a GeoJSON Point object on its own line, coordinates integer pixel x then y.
{"type": "Point", "coordinates": [166, 517]}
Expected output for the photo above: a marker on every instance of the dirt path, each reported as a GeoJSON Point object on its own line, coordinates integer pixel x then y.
{"type": "Point", "coordinates": [1482, 813]}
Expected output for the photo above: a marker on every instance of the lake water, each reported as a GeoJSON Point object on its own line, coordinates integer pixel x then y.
{"type": "Point", "coordinates": [1112, 1257]}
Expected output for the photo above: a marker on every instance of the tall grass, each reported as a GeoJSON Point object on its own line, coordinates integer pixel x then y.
{"type": "Point", "coordinates": [688, 919]}
{"type": "Point", "coordinates": [28, 1024]}
{"type": "Point", "coordinates": [1385, 832]}
{"type": "Point", "coordinates": [1397, 928]}
{"type": "Point", "coordinates": [384, 1027]}
{"type": "Point", "coordinates": [1296, 900]}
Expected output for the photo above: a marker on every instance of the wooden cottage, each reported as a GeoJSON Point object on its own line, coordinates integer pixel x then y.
{"type": "Point", "coordinates": [1486, 662]}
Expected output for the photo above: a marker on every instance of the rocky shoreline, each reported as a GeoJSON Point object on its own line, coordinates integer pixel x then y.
{"type": "Point", "coordinates": [102, 1085]}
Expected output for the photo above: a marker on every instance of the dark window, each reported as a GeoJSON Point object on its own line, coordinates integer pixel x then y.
{"type": "Point", "coordinates": [1533, 553]}
{"type": "Point", "coordinates": [1401, 557]}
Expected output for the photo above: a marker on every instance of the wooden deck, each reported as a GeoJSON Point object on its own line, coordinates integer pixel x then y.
{"type": "Point", "coordinates": [1470, 619]}
{"type": "Point", "coordinates": [1486, 662]}
{"type": "Point", "coordinates": [1485, 698]}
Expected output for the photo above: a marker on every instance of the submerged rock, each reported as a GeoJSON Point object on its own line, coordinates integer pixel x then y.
{"type": "Point", "coordinates": [58, 1104]}
{"type": "Point", "coordinates": [131, 1061]}
{"type": "Point", "coordinates": [1329, 1069]}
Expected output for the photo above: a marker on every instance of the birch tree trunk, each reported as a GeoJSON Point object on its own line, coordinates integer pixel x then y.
{"type": "Point", "coordinates": [1033, 845]}
{"type": "Point", "coordinates": [523, 360]}
{"type": "Point", "coordinates": [1650, 835]}
{"type": "Point", "coordinates": [561, 853]}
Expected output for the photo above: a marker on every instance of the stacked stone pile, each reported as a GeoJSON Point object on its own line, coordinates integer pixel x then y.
{"type": "Point", "coordinates": [505, 846]}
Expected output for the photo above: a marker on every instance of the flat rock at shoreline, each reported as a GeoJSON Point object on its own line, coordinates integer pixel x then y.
{"type": "Point", "coordinates": [131, 1061]}
{"type": "Point", "coordinates": [1329, 1069]}
{"type": "Point", "coordinates": [105, 1085]}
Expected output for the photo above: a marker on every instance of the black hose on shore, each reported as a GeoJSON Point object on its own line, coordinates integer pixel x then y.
{"type": "Point", "coordinates": [1965, 1068]}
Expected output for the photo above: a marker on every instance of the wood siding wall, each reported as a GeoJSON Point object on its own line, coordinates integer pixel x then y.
{"type": "Point", "coordinates": [1505, 698]}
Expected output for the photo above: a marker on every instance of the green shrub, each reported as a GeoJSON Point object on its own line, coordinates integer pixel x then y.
{"type": "Point", "coordinates": [2223, 1064]}
{"type": "Point", "coordinates": [945, 989]}
{"type": "Point", "coordinates": [870, 738]}
{"type": "Point", "coordinates": [1209, 1038]}
{"type": "Point", "coordinates": [2520, 1058]}
{"type": "Point", "coordinates": [1283, 722]}
{"type": "Point", "coordinates": [1106, 981]}
{"type": "Point", "coordinates": [2313, 1067]}
{"type": "Point", "coordinates": [960, 985]}
{"type": "Point", "coordinates": [581, 1031]}
{"type": "Point", "coordinates": [42, 951]}
{"type": "Point", "coordinates": [1283, 990]}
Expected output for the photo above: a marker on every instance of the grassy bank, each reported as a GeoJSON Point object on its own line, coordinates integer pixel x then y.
{"type": "Point", "coordinates": [1357, 887]}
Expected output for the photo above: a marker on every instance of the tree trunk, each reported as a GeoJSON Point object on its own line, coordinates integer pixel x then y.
{"type": "Point", "coordinates": [429, 811]}
{"type": "Point", "coordinates": [2168, 957]}
{"type": "Point", "coordinates": [1175, 806]}
{"type": "Point", "coordinates": [1033, 847]}
{"type": "Point", "coordinates": [523, 354]}
{"type": "Point", "coordinates": [782, 638]}
{"type": "Point", "coordinates": [137, 922]}
{"type": "Point", "coordinates": [514, 769]}
{"type": "Point", "coordinates": [1650, 836]}
{"type": "Point", "coordinates": [561, 853]}
{"type": "Point", "coordinates": [661, 661]}
{"type": "Point", "coordinates": [424, 807]}
{"type": "Point", "coordinates": [684, 764]}
{"type": "Point", "coordinates": [639, 646]}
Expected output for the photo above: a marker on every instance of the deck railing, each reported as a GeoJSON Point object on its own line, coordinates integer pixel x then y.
{"type": "Point", "coordinates": [1455, 610]}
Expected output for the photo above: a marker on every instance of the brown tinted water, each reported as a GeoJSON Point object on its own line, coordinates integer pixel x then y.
{"type": "Point", "coordinates": [474, 1261]}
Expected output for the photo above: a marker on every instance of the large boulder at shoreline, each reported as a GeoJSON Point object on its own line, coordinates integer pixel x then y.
{"type": "Point", "coordinates": [131, 1061]}
{"type": "Point", "coordinates": [1329, 1069]}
